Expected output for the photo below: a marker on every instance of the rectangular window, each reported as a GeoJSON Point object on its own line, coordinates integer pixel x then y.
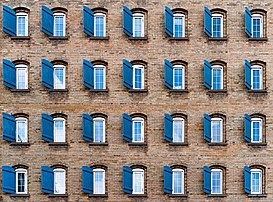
{"type": "Point", "coordinates": [257, 23]}
{"type": "Point", "coordinates": [22, 24]}
{"type": "Point", "coordinates": [59, 24]}
{"type": "Point", "coordinates": [21, 181]}
{"type": "Point", "coordinates": [99, 77]}
{"type": "Point", "coordinates": [179, 25]}
{"type": "Point", "coordinates": [59, 77]}
{"type": "Point", "coordinates": [99, 181]}
{"type": "Point", "coordinates": [138, 181]}
{"type": "Point", "coordinates": [217, 78]}
{"type": "Point", "coordinates": [59, 181]}
{"type": "Point", "coordinates": [21, 130]}
{"type": "Point", "coordinates": [217, 25]}
{"type": "Point", "coordinates": [99, 130]}
{"type": "Point", "coordinates": [21, 77]}
{"type": "Point", "coordinates": [256, 181]}
{"type": "Point", "coordinates": [138, 25]}
{"type": "Point", "coordinates": [178, 77]}
{"type": "Point", "coordinates": [138, 130]}
{"type": "Point", "coordinates": [59, 130]}
{"type": "Point", "coordinates": [216, 130]}
{"type": "Point", "coordinates": [256, 130]}
{"type": "Point", "coordinates": [216, 181]}
{"type": "Point", "coordinates": [178, 130]}
{"type": "Point", "coordinates": [256, 78]}
{"type": "Point", "coordinates": [138, 77]}
{"type": "Point", "coordinates": [178, 181]}
{"type": "Point", "coordinates": [99, 25]}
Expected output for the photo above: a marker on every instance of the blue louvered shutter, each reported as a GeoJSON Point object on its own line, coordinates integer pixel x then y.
{"type": "Point", "coordinates": [47, 128]}
{"type": "Point", "coordinates": [207, 74]}
{"type": "Point", "coordinates": [207, 128]}
{"type": "Point", "coordinates": [127, 180]}
{"type": "Point", "coordinates": [88, 74]}
{"type": "Point", "coordinates": [47, 21]}
{"type": "Point", "coordinates": [8, 180]}
{"type": "Point", "coordinates": [47, 74]}
{"type": "Point", "coordinates": [248, 74]}
{"type": "Point", "coordinates": [127, 17]}
{"type": "Point", "coordinates": [127, 128]}
{"type": "Point", "coordinates": [168, 21]}
{"type": "Point", "coordinates": [8, 128]}
{"type": "Point", "coordinates": [168, 180]}
{"type": "Point", "coordinates": [168, 74]}
{"type": "Point", "coordinates": [247, 126]}
{"type": "Point", "coordinates": [127, 69]}
{"type": "Point", "coordinates": [47, 180]}
{"type": "Point", "coordinates": [248, 22]}
{"type": "Point", "coordinates": [87, 180]}
{"type": "Point", "coordinates": [168, 128]}
{"type": "Point", "coordinates": [207, 180]}
{"type": "Point", "coordinates": [207, 22]}
{"type": "Point", "coordinates": [9, 21]}
{"type": "Point", "coordinates": [88, 21]}
{"type": "Point", "coordinates": [247, 178]}
{"type": "Point", "coordinates": [87, 128]}
{"type": "Point", "coordinates": [9, 73]}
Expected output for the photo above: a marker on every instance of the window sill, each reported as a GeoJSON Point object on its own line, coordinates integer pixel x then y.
{"type": "Point", "coordinates": [20, 38]}
{"type": "Point", "coordinates": [217, 195]}
{"type": "Point", "coordinates": [138, 144]}
{"type": "Point", "coordinates": [179, 91]}
{"type": "Point", "coordinates": [19, 90]}
{"type": "Point", "coordinates": [97, 195]}
{"type": "Point", "coordinates": [145, 38]}
{"type": "Point", "coordinates": [218, 91]}
{"type": "Point", "coordinates": [20, 144]}
{"type": "Point", "coordinates": [58, 195]}
{"type": "Point", "coordinates": [58, 37]}
{"type": "Point", "coordinates": [99, 90]}
{"type": "Point", "coordinates": [218, 39]}
{"type": "Point", "coordinates": [58, 90]}
{"type": "Point", "coordinates": [98, 144]}
{"type": "Point", "coordinates": [138, 91]}
{"type": "Point", "coordinates": [178, 195]}
{"type": "Point", "coordinates": [179, 39]}
{"type": "Point", "coordinates": [99, 38]}
{"type": "Point", "coordinates": [217, 144]}
{"type": "Point", "coordinates": [258, 144]}
{"type": "Point", "coordinates": [258, 39]}
{"type": "Point", "coordinates": [19, 195]}
{"type": "Point", "coordinates": [178, 144]}
{"type": "Point", "coordinates": [58, 144]}
{"type": "Point", "coordinates": [257, 195]}
{"type": "Point", "coordinates": [137, 195]}
{"type": "Point", "coordinates": [258, 91]}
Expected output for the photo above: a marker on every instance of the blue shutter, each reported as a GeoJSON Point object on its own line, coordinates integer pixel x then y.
{"type": "Point", "coordinates": [87, 180]}
{"type": "Point", "coordinates": [247, 134]}
{"type": "Point", "coordinates": [47, 21]}
{"type": "Point", "coordinates": [207, 74]}
{"type": "Point", "coordinates": [47, 74]}
{"type": "Point", "coordinates": [88, 21]}
{"type": "Point", "coordinates": [168, 173]}
{"type": "Point", "coordinates": [207, 180]}
{"type": "Point", "coordinates": [127, 128]}
{"type": "Point", "coordinates": [247, 74]}
{"type": "Point", "coordinates": [8, 128]}
{"type": "Point", "coordinates": [207, 128]}
{"type": "Point", "coordinates": [127, 74]}
{"type": "Point", "coordinates": [47, 180]}
{"type": "Point", "coordinates": [247, 176]}
{"type": "Point", "coordinates": [207, 22]}
{"type": "Point", "coordinates": [168, 74]}
{"type": "Point", "coordinates": [88, 74]}
{"type": "Point", "coordinates": [248, 22]}
{"type": "Point", "coordinates": [168, 21]}
{"type": "Point", "coordinates": [47, 128]}
{"type": "Point", "coordinates": [9, 21]}
{"type": "Point", "coordinates": [9, 74]}
{"type": "Point", "coordinates": [87, 127]}
{"type": "Point", "coordinates": [168, 128]}
{"type": "Point", "coordinates": [127, 180]}
{"type": "Point", "coordinates": [127, 21]}
{"type": "Point", "coordinates": [8, 180]}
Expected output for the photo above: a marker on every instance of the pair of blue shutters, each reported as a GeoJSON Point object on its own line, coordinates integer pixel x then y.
{"type": "Point", "coordinates": [8, 128]}
{"type": "Point", "coordinates": [9, 21]}
{"type": "Point", "coordinates": [8, 180]}
{"type": "Point", "coordinates": [9, 73]}
{"type": "Point", "coordinates": [127, 72]}
{"type": "Point", "coordinates": [127, 21]}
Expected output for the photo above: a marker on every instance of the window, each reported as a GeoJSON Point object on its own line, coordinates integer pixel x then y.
{"type": "Point", "coordinates": [138, 129]}
{"type": "Point", "coordinates": [21, 77]}
{"type": "Point", "coordinates": [22, 24]}
{"type": "Point", "coordinates": [99, 129]}
{"type": "Point", "coordinates": [138, 181]}
{"type": "Point", "coordinates": [59, 24]}
{"type": "Point", "coordinates": [256, 77]}
{"type": "Point", "coordinates": [217, 25]}
{"type": "Point", "coordinates": [99, 181]}
{"type": "Point", "coordinates": [138, 25]}
{"type": "Point", "coordinates": [59, 77]}
{"type": "Point", "coordinates": [255, 23]}
{"type": "Point", "coordinates": [178, 130]}
{"type": "Point", "coordinates": [21, 181]}
{"type": "Point", "coordinates": [216, 130]}
{"type": "Point", "coordinates": [99, 77]}
{"type": "Point", "coordinates": [138, 77]}
{"type": "Point", "coordinates": [179, 25]}
{"type": "Point", "coordinates": [256, 181]}
{"type": "Point", "coordinates": [178, 181]}
{"type": "Point", "coordinates": [21, 129]}
{"type": "Point", "coordinates": [256, 130]}
{"type": "Point", "coordinates": [214, 75]}
{"type": "Point", "coordinates": [254, 127]}
{"type": "Point", "coordinates": [59, 181]}
{"type": "Point", "coordinates": [99, 28]}
{"type": "Point", "coordinates": [216, 181]}
{"type": "Point", "coordinates": [217, 77]}
{"type": "Point", "coordinates": [59, 129]}
{"type": "Point", "coordinates": [178, 77]}
{"type": "Point", "coordinates": [214, 21]}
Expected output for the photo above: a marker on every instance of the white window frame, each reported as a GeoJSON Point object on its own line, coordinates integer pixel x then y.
{"type": "Point", "coordinates": [138, 15]}
{"type": "Point", "coordinates": [218, 15]}
{"type": "Point", "coordinates": [59, 119]}
{"type": "Point", "coordinates": [221, 180]}
{"type": "Point", "coordinates": [135, 171]}
{"type": "Point", "coordinates": [104, 23]}
{"type": "Point", "coordinates": [142, 76]}
{"type": "Point", "coordinates": [183, 76]}
{"type": "Point", "coordinates": [22, 14]}
{"type": "Point", "coordinates": [179, 15]}
{"type": "Point", "coordinates": [261, 129]}
{"type": "Point", "coordinates": [24, 171]}
{"type": "Point", "coordinates": [260, 68]}
{"type": "Point", "coordinates": [183, 128]}
{"type": "Point", "coordinates": [64, 24]}
{"type": "Point", "coordinates": [183, 180]}
{"type": "Point", "coordinates": [25, 68]}
{"type": "Point", "coordinates": [61, 170]}
{"type": "Point", "coordinates": [94, 185]}
{"type": "Point", "coordinates": [138, 119]}
{"type": "Point", "coordinates": [104, 76]}
{"type": "Point", "coordinates": [261, 17]}
{"type": "Point", "coordinates": [260, 179]}
{"type": "Point", "coordinates": [55, 78]}
{"type": "Point", "coordinates": [221, 129]}
{"type": "Point", "coordinates": [17, 128]}
{"type": "Point", "coordinates": [217, 67]}
{"type": "Point", "coordinates": [103, 132]}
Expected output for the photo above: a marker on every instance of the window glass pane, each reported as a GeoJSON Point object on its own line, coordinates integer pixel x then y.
{"type": "Point", "coordinates": [216, 182]}
{"type": "Point", "coordinates": [177, 182]}
{"type": "Point", "coordinates": [98, 131]}
{"type": "Point", "coordinates": [21, 25]}
{"type": "Point", "coordinates": [138, 182]}
{"type": "Point", "coordinates": [216, 131]}
{"type": "Point", "coordinates": [59, 78]}
{"type": "Point", "coordinates": [21, 182]}
{"type": "Point", "coordinates": [21, 78]}
{"type": "Point", "coordinates": [99, 78]}
{"type": "Point", "coordinates": [59, 131]}
{"type": "Point", "coordinates": [256, 27]}
{"type": "Point", "coordinates": [177, 131]}
{"type": "Point", "coordinates": [59, 180]}
{"type": "Point", "coordinates": [137, 131]}
{"type": "Point", "coordinates": [255, 182]}
{"type": "Point", "coordinates": [216, 23]}
{"type": "Point", "coordinates": [21, 131]}
{"type": "Point", "coordinates": [59, 25]}
{"type": "Point", "coordinates": [178, 26]}
{"type": "Point", "coordinates": [99, 23]}
{"type": "Point", "coordinates": [138, 78]}
{"type": "Point", "coordinates": [178, 78]}
{"type": "Point", "coordinates": [217, 79]}
{"type": "Point", "coordinates": [256, 130]}
{"type": "Point", "coordinates": [138, 27]}
{"type": "Point", "coordinates": [256, 79]}
{"type": "Point", "coordinates": [99, 182]}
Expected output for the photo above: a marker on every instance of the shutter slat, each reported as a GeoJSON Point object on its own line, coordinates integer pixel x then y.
{"type": "Point", "coordinates": [9, 74]}
{"type": "Point", "coordinates": [248, 22]}
{"type": "Point", "coordinates": [87, 180]}
{"type": "Point", "coordinates": [9, 21]}
{"type": "Point", "coordinates": [168, 21]}
{"type": "Point", "coordinates": [207, 75]}
{"type": "Point", "coordinates": [247, 127]}
{"type": "Point", "coordinates": [247, 178]}
{"type": "Point", "coordinates": [87, 128]}
{"type": "Point", "coordinates": [168, 128]}
{"type": "Point", "coordinates": [47, 74]}
{"type": "Point", "coordinates": [47, 180]}
{"type": "Point", "coordinates": [8, 180]}
{"type": "Point", "coordinates": [127, 180]}
{"type": "Point", "coordinates": [167, 180]}
{"type": "Point", "coordinates": [168, 74]}
{"type": "Point", "coordinates": [88, 21]}
{"type": "Point", "coordinates": [207, 22]}
{"type": "Point", "coordinates": [127, 17]}
{"type": "Point", "coordinates": [127, 74]}
{"type": "Point", "coordinates": [8, 128]}
{"type": "Point", "coordinates": [127, 127]}
{"type": "Point", "coordinates": [248, 74]}
{"type": "Point", "coordinates": [47, 21]}
{"type": "Point", "coordinates": [47, 128]}
{"type": "Point", "coordinates": [207, 127]}
{"type": "Point", "coordinates": [207, 180]}
{"type": "Point", "coordinates": [88, 74]}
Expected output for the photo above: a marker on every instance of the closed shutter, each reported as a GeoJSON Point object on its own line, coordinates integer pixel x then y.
{"type": "Point", "coordinates": [168, 74]}
{"type": "Point", "coordinates": [207, 22]}
{"type": "Point", "coordinates": [47, 21]}
{"type": "Point", "coordinates": [88, 21]}
{"type": "Point", "coordinates": [167, 180]}
{"type": "Point", "coordinates": [8, 180]}
{"type": "Point", "coordinates": [88, 74]}
{"type": "Point", "coordinates": [87, 180]}
{"type": "Point", "coordinates": [247, 176]}
{"type": "Point", "coordinates": [127, 18]}
{"type": "Point", "coordinates": [247, 126]}
{"type": "Point", "coordinates": [127, 180]}
{"type": "Point", "coordinates": [168, 21]}
{"type": "Point", "coordinates": [207, 75]}
{"type": "Point", "coordinates": [207, 180]}
{"type": "Point", "coordinates": [8, 128]}
{"type": "Point", "coordinates": [47, 180]}
{"type": "Point", "coordinates": [9, 74]}
{"type": "Point", "coordinates": [47, 74]}
{"type": "Point", "coordinates": [168, 128]}
{"type": "Point", "coordinates": [248, 22]}
{"type": "Point", "coordinates": [87, 128]}
{"type": "Point", "coordinates": [207, 128]}
{"type": "Point", "coordinates": [248, 74]}
{"type": "Point", "coordinates": [127, 69]}
{"type": "Point", "coordinates": [9, 21]}
{"type": "Point", "coordinates": [127, 128]}
{"type": "Point", "coordinates": [47, 128]}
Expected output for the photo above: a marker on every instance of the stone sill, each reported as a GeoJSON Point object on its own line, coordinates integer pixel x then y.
{"type": "Point", "coordinates": [97, 195]}
{"type": "Point", "coordinates": [218, 39]}
{"type": "Point", "coordinates": [58, 90]}
{"type": "Point", "coordinates": [217, 144]}
{"type": "Point", "coordinates": [178, 144]}
{"type": "Point", "coordinates": [258, 39]}
{"type": "Point", "coordinates": [179, 91]}
{"type": "Point", "coordinates": [217, 91]}
{"type": "Point", "coordinates": [58, 195]}
{"type": "Point", "coordinates": [137, 195]}
{"type": "Point", "coordinates": [257, 195]}
{"type": "Point", "coordinates": [217, 195]}
{"type": "Point", "coordinates": [20, 38]}
{"type": "Point", "coordinates": [99, 38]}
{"type": "Point", "coordinates": [144, 38]}
{"type": "Point", "coordinates": [257, 144]}
{"type": "Point", "coordinates": [19, 195]}
{"type": "Point", "coordinates": [19, 90]}
{"type": "Point", "coordinates": [138, 144]}
{"type": "Point", "coordinates": [99, 90]}
{"type": "Point", "coordinates": [258, 91]}
{"type": "Point", "coordinates": [58, 37]}
{"type": "Point", "coordinates": [179, 39]}
{"type": "Point", "coordinates": [98, 144]}
{"type": "Point", "coordinates": [138, 91]}
{"type": "Point", "coordinates": [178, 195]}
{"type": "Point", "coordinates": [58, 144]}
{"type": "Point", "coordinates": [20, 144]}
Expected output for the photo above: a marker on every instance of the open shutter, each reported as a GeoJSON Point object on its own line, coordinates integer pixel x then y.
{"type": "Point", "coordinates": [127, 17]}
{"type": "Point", "coordinates": [47, 128]}
{"type": "Point", "coordinates": [47, 74]}
{"type": "Point", "coordinates": [8, 128]}
{"type": "Point", "coordinates": [47, 21]}
{"type": "Point", "coordinates": [88, 74]}
{"type": "Point", "coordinates": [247, 176]}
{"type": "Point", "coordinates": [87, 127]}
{"type": "Point", "coordinates": [127, 74]}
{"type": "Point", "coordinates": [207, 22]}
{"type": "Point", "coordinates": [47, 180]}
{"type": "Point", "coordinates": [207, 128]}
{"type": "Point", "coordinates": [127, 180]}
{"type": "Point", "coordinates": [88, 21]}
{"type": "Point", "coordinates": [127, 128]}
{"type": "Point", "coordinates": [168, 21]}
{"type": "Point", "coordinates": [87, 180]}
{"type": "Point", "coordinates": [167, 180]}
{"type": "Point", "coordinates": [8, 180]}
{"type": "Point", "coordinates": [9, 21]}
{"type": "Point", "coordinates": [9, 73]}
{"type": "Point", "coordinates": [247, 74]}
{"type": "Point", "coordinates": [168, 74]}
{"type": "Point", "coordinates": [247, 134]}
{"type": "Point", "coordinates": [248, 22]}
{"type": "Point", "coordinates": [168, 128]}
{"type": "Point", "coordinates": [207, 180]}
{"type": "Point", "coordinates": [207, 74]}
